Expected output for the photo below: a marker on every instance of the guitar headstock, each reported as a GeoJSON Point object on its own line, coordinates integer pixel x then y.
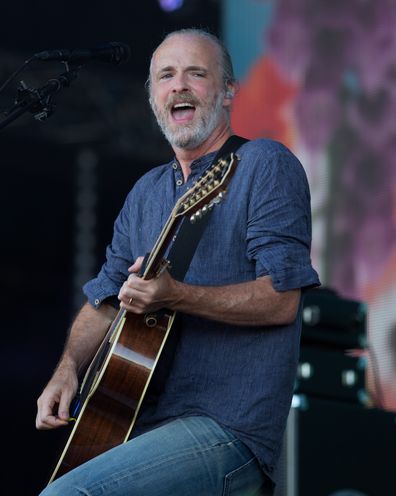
{"type": "Point", "coordinates": [208, 190]}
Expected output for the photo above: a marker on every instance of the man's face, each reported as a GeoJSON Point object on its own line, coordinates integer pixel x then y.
{"type": "Point", "coordinates": [187, 90]}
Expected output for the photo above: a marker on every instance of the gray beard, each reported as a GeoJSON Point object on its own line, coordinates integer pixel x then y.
{"type": "Point", "coordinates": [191, 136]}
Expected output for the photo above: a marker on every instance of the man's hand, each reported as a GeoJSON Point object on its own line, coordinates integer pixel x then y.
{"type": "Point", "coordinates": [87, 332]}
{"type": "Point", "coordinates": [140, 296]}
{"type": "Point", "coordinates": [53, 404]}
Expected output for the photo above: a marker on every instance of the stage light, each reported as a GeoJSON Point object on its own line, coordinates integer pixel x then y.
{"type": "Point", "coordinates": [170, 5]}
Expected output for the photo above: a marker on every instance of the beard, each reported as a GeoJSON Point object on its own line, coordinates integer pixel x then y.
{"type": "Point", "coordinates": [190, 136]}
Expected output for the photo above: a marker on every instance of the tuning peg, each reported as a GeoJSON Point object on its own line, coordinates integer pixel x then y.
{"type": "Point", "coordinates": [218, 198]}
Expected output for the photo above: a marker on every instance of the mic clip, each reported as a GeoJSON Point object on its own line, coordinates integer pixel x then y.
{"type": "Point", "coordinates": [39, 101]}
{"type": "Point", "coordinates": [40, 107]}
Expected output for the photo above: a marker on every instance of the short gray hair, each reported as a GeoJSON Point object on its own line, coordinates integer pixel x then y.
{"type": "Point", "coordinates": [225, 58]}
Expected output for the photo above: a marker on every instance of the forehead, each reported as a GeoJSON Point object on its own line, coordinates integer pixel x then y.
{"type": "Point", "coordinates": [183, 50]}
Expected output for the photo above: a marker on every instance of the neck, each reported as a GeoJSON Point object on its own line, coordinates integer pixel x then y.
{"type": "Point", "coordinates": [212, 144]}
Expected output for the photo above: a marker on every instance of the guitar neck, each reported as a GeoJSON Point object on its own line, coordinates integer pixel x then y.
{"type": "Point", "coordinates": [155, 263]}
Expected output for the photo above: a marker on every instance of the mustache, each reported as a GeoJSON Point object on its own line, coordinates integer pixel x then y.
{"type": "Point", "coordinates": [187, 98]}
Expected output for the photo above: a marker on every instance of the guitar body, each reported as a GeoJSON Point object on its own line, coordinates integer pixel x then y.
{"type": "Point", "coordinates": [109, 412]}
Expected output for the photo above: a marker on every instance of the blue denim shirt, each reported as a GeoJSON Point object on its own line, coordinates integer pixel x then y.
{"type": "Point", "coordinates": [240, 376]}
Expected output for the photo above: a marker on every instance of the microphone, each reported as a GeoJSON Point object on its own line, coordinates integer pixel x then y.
{"type": "Point", "coordinates": [112, 52]}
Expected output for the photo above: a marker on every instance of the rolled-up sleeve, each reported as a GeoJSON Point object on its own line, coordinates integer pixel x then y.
{"type": "Point", "coordinates": [279, 223]}
{"type": "Point", "coordinates": [119, 257]}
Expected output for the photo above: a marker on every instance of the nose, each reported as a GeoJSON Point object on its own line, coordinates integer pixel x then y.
{"type": "Point", "coordinates": [180, 83]}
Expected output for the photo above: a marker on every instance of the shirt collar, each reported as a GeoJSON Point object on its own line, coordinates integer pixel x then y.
{"type": "Point", "coordinates": [201, 163]}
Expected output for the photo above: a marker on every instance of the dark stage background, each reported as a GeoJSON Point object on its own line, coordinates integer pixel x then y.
{"type": "Point", "coordinates": [63, 182]}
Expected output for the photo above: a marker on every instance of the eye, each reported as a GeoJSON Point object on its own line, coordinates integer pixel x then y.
{"type": "Point", "coordinates": [198, 74]}
{"type": "Point", "coordinates": [165, 75]}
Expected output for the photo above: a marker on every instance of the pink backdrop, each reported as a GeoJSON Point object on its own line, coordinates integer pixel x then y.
{"type": "Point", "coordinates": [325, 85]}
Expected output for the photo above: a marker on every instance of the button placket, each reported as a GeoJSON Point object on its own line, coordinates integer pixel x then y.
{"type": "Point", "coordinates": [178, 174]}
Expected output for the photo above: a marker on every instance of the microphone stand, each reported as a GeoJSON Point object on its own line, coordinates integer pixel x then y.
{"type": "Point", "coordinates": [39, 101]}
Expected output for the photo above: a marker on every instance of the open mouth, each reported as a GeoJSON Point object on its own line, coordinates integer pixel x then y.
{"type": "Point", "coordinates": [183, 112]}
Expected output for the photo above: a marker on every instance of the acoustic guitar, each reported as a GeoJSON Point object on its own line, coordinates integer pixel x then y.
{"type": "Point", "coordinates": [105, 409]}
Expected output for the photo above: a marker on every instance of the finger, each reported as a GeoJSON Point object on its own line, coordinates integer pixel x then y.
{"type": "Point", "coordinates": [46, 417]}
{"type": "Point", "coordinates": [50, 422]}
{"type": "Point", "coordinates": [125, 294]}
{"type": "Point", "coordinates": [128, 303]}
{"type": "Point", "coordinates": [64, 405]}
{"type": "Point", "coordinates": [135, 267]}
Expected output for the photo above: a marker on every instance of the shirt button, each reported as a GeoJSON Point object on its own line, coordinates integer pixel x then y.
{"type": "Point", "coordinates": [97, 301]}
{"type": "Point", "coordinates": [174, 165]}
{"type": "Point", "coordinates": [179, 182]}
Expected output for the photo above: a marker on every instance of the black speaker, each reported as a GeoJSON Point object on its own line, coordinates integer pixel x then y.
{"type": "Point", "coordinates": [330, 374]}
{"type": "Point", "coordinates": [336, 448]}
{"type": "Point", "coordinates": [332, 320]}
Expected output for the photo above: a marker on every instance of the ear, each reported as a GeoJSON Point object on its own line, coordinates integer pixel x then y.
{"type": "Point", "coordinates": [230, 93]}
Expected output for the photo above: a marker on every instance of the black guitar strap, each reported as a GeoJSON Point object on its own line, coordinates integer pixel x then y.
{"type": "Point", "coordinates": [188, 236]}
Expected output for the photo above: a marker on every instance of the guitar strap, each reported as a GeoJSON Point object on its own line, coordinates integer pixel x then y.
{"type": "Point", "coordinates": [188, 236]}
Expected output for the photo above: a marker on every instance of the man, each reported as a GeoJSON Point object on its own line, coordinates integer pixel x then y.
{"type": "Point", "coordinates": [214, 425]}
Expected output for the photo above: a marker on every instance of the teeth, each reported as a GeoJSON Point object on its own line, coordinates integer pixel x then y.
{"type": "Point", "coordinates": [178, 105]}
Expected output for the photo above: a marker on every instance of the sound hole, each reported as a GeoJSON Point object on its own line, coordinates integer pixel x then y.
{"type": "Point", "coordinates": [151, 320]}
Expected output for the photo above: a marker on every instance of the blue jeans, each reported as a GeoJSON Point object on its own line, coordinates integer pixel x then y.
{"type": "Point", "coordinates": [190, 456]}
